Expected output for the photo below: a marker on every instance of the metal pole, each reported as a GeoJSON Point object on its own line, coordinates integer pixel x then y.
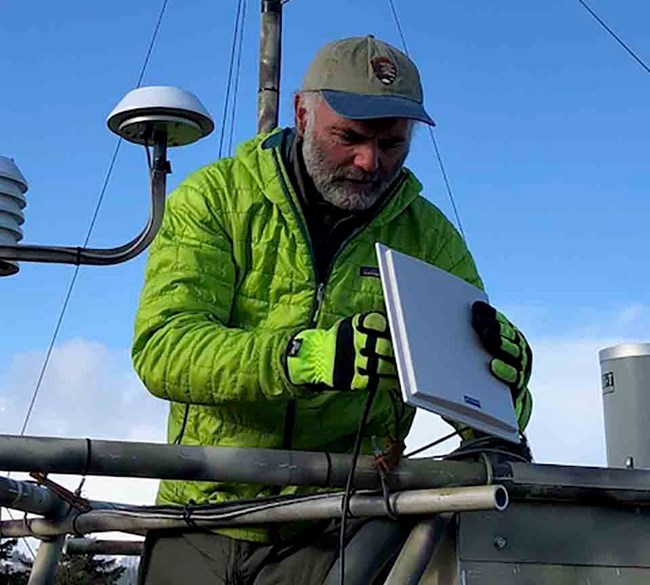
{"type": "Point", "coordinates": [46, 563]}
{"type": "Point", "coordinates": [265, 466]}
{"type": "Point", "coordinates": [29, 497]}
{"type": "Point", "coordinates": [566, 483]}
{"type": "Point", "coordinates": [368, 552]}
{"type": "Point", "coordinates": [90, 546]}
{"type": "Point", "coordinates": [315, 507]}
{"type": "Point", "coordinates": [417, 551]}
{"type": "Point", "coordinates": [268, 98]}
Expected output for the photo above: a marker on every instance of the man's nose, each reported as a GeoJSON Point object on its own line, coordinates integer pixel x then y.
{"type": "Point", "coordinates": [367, 157]}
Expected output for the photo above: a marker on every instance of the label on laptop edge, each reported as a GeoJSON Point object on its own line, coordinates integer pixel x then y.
{"type": "Point", "coordinates": [472, 401]}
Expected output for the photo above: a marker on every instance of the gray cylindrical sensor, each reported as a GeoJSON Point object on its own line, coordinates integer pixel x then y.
{"type": "Point", "coordinates": [625, 371]}
{"type": "Point", "coordinates": [13, 187]}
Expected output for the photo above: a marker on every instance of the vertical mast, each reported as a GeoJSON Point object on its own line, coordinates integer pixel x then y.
{"type": "Point", "coordinates": [268, 96]}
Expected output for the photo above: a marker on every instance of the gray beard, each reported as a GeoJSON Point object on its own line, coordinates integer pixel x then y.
{"type": "Point", "coordinates": [328, 180]}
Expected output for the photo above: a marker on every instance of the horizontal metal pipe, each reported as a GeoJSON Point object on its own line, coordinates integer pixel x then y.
{"type": "Point", "coordinates": [91, 546]}
{"type": "Point", "coordinates": [29, 497]}
{"type": "Point", "coordinates": [266, 466]}
{"type": "Point", "coordinates": [416, 502]}
{"type": "Point", "coordinates": [587, 485]}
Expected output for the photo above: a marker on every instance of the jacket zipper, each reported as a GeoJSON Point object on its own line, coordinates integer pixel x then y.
{"type": "Point", "coordinates": [320, 291]}
{"type": "Point", "coordinates": [290, 417]}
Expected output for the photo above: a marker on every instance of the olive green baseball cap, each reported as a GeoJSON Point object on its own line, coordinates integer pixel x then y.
{"type": "Point", "coordinates": [363, 78]}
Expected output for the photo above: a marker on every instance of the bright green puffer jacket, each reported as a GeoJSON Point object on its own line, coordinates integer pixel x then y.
{"type": "Point", "coordinates": [231, 278]}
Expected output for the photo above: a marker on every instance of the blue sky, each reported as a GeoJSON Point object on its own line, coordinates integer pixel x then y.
{"type": "Point", "coordinates": [542, 124]}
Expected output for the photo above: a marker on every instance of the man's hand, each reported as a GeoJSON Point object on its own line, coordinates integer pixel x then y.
{"type": "Point", "coordinates": [356, 353]}
{"type": "Point", "coordinates": [513, 358]}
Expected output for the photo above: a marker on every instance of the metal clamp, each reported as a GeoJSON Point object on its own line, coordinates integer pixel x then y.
{"type": "Point", "coordinates": [77, 502]}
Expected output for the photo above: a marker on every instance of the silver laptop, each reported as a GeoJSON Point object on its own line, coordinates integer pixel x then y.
{"type": "Point", "coordinates": [442, 366]}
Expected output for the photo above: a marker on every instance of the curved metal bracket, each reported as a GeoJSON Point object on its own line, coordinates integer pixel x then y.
{"type": "Point", "coordinates": [9, 255]}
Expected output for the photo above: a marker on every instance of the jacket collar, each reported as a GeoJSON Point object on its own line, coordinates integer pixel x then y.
{"type": "Point", "coordinates": [263, 159]}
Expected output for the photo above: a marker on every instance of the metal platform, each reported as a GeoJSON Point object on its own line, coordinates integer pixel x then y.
{"type": "Point", "coordinates": [544, 544]}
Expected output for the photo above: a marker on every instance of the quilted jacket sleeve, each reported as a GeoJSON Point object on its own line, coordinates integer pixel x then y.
{"type": "Point", "coordinates": [183, 349]}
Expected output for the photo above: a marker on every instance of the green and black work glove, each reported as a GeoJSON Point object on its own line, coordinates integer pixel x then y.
{"type": "Point", "coordinates": [356, 353]}
{"type": "Point", "coordinates": [513, 359]}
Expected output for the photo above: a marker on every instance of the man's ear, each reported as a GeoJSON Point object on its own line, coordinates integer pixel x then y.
{"type": "Point", "coordinates": [300, 115]}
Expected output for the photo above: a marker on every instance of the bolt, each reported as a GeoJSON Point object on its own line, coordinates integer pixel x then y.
{"type": "Point", "coordinates": [500, 543]}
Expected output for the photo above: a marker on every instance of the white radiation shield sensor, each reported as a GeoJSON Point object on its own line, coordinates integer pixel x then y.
{"type": "Point", "coordinates": [442, 366]}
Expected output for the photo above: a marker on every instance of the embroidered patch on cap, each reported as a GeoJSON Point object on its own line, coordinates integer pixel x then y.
{"type": "Point", "coordinates": [385, 70]}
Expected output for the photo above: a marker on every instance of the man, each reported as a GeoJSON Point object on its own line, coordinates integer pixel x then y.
{"type": "Point", "coordinates": [261, 316]}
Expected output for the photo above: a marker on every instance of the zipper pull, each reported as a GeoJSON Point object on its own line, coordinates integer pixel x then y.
{"type": "Point", "coordinates": [320, 293]}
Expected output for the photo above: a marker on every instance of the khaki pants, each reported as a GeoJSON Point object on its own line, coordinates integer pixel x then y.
{"type": "Point", "coordinates": [198, 558]}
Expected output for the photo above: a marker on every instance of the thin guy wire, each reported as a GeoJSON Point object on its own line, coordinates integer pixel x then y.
{"type": "Point", "coordinates": [237, 78]}
{"type": "Point", "coordinates": [399, 26]}
{"type": "Point", "coordinates": [433, 138]}
{"type": "Point", "coordinates": [145, 64]}
{"type": "Point", "coordinates": [226, 101]}
{"type": "Point", "coordinates": [93, 220]}
{"type": "Point", "coordinates": [615, 36]}
{"type": "Point", "coordinates": [447, 184]}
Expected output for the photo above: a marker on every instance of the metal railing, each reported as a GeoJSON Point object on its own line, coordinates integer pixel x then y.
{"type": "Point", "coordinates": [428, 488]}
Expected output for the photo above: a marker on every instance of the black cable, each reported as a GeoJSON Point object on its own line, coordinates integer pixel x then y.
{"type": "Point", "coordinates": [432, 444]}
{"type": "Point", "coordinates": [385, 492]}
{"type": "Point", "coordinates": [349, 484]}
{"type": "Point", "coordinates": [226, 101]}
{"type": "Point", "coordinates": [615, 36]}
{"type": "Point", "coordinates": [482, 445]}
{"type": "Point", "coordinates": [461, 453]}
{"type": "Point", "coordinates": [237, 77]}
{"type": "Point", "coordinates": [433, 139]}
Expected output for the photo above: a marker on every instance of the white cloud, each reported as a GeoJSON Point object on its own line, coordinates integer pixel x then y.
{"type": "Point", "coordinates": [631, 314]}
{"type": "Point", "coordinates": [89, 390]}
{"type": "Point", "coordinates": [567, 424]}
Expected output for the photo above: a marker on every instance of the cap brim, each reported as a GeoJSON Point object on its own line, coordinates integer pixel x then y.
{"type": "Point", "coordinates": [369, 107]}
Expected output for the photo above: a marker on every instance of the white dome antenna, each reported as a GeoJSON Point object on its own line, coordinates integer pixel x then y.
{"type": "Point", "coordinates": [146, 110]}
{"type": "Point", "coordinates": [159, 117]}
